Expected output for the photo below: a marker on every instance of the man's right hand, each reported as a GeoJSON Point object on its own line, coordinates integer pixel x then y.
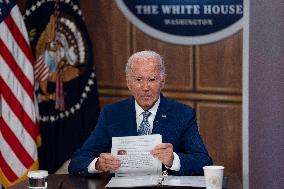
{"type": "Point", "coordinates": [107, 162]}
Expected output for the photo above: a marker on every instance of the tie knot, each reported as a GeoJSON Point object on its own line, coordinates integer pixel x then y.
{"type": "Point", "coordinates": [146, 115]}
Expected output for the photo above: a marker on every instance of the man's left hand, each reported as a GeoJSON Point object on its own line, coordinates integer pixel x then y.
{"type": "Point", "coordinates": [164, 152]}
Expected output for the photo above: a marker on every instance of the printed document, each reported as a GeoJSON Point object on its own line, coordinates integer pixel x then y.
{"type": "Point", "coordinates": [134, 154]}
{"type": "Point", "coordinates": [140, 169]}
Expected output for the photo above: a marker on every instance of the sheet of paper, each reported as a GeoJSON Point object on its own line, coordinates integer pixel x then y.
{"type": "Point", "coordinates": [194, 181]}
{"type": "Point", "coordinates": [135, 181]}
{"type": "Point", "coordinates": [134, 154]}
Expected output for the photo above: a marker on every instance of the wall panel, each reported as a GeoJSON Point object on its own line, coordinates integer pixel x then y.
{"type": "Point", "coordinates": [219, 65]}
{"type": "Point", "coordinates": [220, 128]}
{"type": "Point", "coordinates": [111, 39]}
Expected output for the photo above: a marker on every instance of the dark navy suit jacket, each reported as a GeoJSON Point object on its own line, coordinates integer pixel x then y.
{"type": "Point", "coordinates": [176, 123]}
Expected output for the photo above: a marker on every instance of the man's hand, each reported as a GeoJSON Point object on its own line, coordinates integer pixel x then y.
{"type": "Point", "coordinates": [164, 152]}
{"type": "Point", "coordinates": [107, 162]}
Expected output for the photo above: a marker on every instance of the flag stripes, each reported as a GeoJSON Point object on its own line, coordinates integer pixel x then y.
{"type": "Point", "coordinates": [20, 40]}
{"type": "Point", "coordinates": [17, 108]}
{"type": "Point", "coordinates": [15, 144]}
{"type": "Point", "coordinates": [17, 168]}
{"type": "Point", "coordinates": [41, 69]}
{"type": "Point", "coordinates": [14, 47]}
{"type": "Point", "coordinates": [15, 69]}
{"type": "Point", "coordinates": [16, 127]}
{"type": "Point", "coordinates": [5, 168]}
{"type": "Point", "coordinates": [16, 81]}
{"type": "Point", "coordinates": [13, 21]}
{"type": "Point", "coordinates": [18, 124]}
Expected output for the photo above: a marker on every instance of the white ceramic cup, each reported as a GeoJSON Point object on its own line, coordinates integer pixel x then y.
{"type": "Point", "coordinates": [213, 176]}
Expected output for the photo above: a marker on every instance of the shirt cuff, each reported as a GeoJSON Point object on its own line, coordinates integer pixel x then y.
{"type": "Point", "coordinates": [176, 163]}
{"type": "Point", "coordinates": [92, 166]}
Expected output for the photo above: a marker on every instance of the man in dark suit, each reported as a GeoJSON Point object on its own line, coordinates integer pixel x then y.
{"type": "Point", "coordinates": [146, 112]}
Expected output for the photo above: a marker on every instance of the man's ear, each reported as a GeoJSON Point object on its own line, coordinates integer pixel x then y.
{"type": "Point", "coordinates": [128, 83]}
{"type": "Point", "coordinates": [163, 81]}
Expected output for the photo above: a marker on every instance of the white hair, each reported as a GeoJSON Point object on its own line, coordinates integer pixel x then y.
{"type": "Point", "coordinates": [147, 54]}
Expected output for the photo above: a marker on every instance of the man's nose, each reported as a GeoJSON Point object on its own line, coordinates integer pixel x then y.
{"type": "Point", "coordinates": [146, 85]}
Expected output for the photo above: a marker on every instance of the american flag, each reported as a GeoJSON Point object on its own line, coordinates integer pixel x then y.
{"type": "Point", "coordinates": [18, 124]}
{"type": "Point", "coordinates": [41, 69]}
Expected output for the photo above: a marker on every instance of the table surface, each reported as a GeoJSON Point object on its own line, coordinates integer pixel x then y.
{"type": "Point", "coordinates": [65, 181]}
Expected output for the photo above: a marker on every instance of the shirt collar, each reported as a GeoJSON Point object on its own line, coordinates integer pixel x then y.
{"type": "Point", "coordinates": [153, 110]}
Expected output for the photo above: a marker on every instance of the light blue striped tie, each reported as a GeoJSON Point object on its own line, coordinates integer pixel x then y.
{"type": "Point", "coordinates": [144, 128]}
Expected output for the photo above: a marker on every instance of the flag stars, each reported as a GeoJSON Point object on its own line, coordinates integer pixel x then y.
{"type": "Point", "coordinates": [74, 108]}
{"type": "Point", "coordinates": [44, 118]}
{"type": "Point", "coordinates": [84, 95]}
{"type": "Point", "coordinates": [77, 106]}
{"type": "Point", "coordinates": [38, 3]}
{"type": "Point", "coordinates": [33, 8]}
{"type": "Point", "coordinates": [87, 88]}
{"type": "Point", "coordinates": [90, 82]}
{"type": "Point", "coordinates": [67, 113]}
{"type": "Point", "coordinates": [52, 118]}
{"type": "Point", "coordinates": [28, 12]}
{"type": "Point", "coordinates": [80, 49]}
{"type": "Point", "coordinates": [61, 115]}
{"type": "Point", "coordinates": [75, 7]}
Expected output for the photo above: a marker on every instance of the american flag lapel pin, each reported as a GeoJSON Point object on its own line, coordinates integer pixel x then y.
{"type": "Point", "coordinates": [164, 115]}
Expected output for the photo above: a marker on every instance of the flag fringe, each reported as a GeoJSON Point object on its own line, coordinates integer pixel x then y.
{"type": "Point", "coordinates": [6, 183]}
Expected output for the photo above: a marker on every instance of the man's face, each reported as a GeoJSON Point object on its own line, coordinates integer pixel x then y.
{"type": "Point", "coordinates": [145, 82]}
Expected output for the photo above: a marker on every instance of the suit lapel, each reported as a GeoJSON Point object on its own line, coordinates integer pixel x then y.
{"type": "Point", "coordinates": [161, 116]}
{"type": "Point", "coordinates": [131, 120]}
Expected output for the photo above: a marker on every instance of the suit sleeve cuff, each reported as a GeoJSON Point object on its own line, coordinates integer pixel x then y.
{"type": "Point", "coordinates": [176, 163]}
{"type": "Point", "coordinates": [92, 166]}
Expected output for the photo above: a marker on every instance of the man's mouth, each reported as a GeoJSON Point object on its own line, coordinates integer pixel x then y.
{"type": "Point", "coordinates": [146, 97]}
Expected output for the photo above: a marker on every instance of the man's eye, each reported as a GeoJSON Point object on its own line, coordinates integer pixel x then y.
{"type": "Point", "coordinates": [152, 79]}
{"type": "Point", "coordinates": [138, 79]}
